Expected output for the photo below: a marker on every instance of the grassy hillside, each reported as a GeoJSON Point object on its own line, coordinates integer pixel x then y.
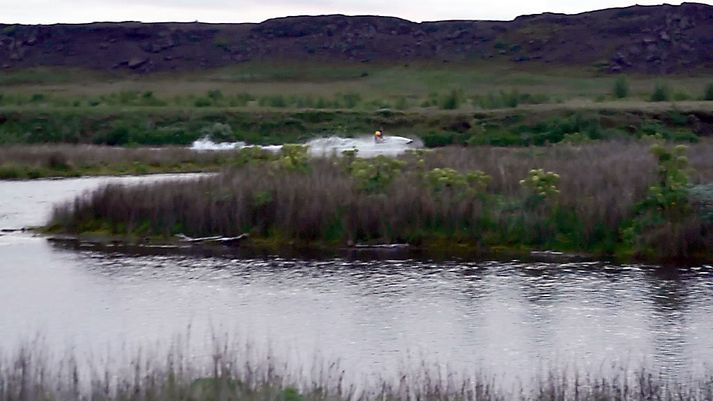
{"type": "Point", "coordinates": [267, 103]}
{"type": "Point", "coordinates": [416, 81]}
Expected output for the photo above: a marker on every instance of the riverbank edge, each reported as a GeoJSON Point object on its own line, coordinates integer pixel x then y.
{"type": "Point", "coordinates": [30, 173]}
{"type": "Point", "coordinates": [437, 249]}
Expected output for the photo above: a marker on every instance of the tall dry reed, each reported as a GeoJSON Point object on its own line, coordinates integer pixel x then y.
{"type": "Point", "coordinates": [29, 374]}
{"type": "Point", "coordinates": [599, 187]}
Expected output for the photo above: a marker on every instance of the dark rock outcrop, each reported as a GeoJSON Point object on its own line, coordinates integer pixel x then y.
{"type": "Point", "coordinates": [648, 39]}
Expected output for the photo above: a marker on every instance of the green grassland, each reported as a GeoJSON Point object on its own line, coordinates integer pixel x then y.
{"type": "Point", "coordinates": [260, 103]}
{"type": "Point", "coordinates": [413, 81]}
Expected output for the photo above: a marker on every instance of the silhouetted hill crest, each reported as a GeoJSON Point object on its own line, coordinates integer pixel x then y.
{"type": "Point", "coordinates": [649, 39]}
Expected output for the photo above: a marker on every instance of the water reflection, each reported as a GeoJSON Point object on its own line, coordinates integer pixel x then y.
{"type": "Point", "coordinates": [373, 314]}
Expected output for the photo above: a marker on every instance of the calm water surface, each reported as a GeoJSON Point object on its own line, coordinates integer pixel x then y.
{"type": "Point", "coordinates": [374, 316]}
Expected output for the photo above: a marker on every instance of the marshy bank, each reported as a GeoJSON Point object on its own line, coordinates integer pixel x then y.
{"type": "Point", "coordinates": [19, 162]}
{"type": "Point", "coordinates": [234, 373]}
{"type": "Point", "coordinates": [610, 199]}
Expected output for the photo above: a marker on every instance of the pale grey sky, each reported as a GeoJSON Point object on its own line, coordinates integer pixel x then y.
{"type": "Point", "coordinates": [76, 11]}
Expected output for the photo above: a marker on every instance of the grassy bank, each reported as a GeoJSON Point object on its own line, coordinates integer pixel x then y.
{"type": "Point", "coordinates": [409, 85]}
{"type": "Point", "coordinates": [18, 162]}
{"type": "Point", "coordinates": [181, 126]}
{"type": "Point", "coordinates": [232, 374]}
{"type": "Point", "coordinates": [608, 198]}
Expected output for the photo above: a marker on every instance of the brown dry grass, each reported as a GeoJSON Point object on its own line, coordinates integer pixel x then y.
{"type": "Point", "coordinates": [600, 185]}
{"type": "Point", "coordinates": [231, 373]}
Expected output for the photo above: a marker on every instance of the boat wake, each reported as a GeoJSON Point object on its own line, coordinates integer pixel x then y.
{"type": "Point", "coordinates": [334, 145]}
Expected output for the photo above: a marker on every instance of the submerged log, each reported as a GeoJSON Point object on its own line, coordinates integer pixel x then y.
{"type": "Point", "coordinates": [382, 246]}
{"type": "Point", "coordinates": [220, 240]}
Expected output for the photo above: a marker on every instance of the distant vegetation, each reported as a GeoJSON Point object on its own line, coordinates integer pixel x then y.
{"type": "Point", "coordinates": [497, 104]}
{"type": "Point", "coordinates": [178, 126]}
{"type": "Point", "coordinates": [606, 199]}
{"type": "Point", "coordinates": [21, 162]}
{"type": "Point", "coordinates": [493, 104]}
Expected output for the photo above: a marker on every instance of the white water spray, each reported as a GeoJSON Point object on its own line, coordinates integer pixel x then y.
{"type": "Point", "coordinates": [366, 146]}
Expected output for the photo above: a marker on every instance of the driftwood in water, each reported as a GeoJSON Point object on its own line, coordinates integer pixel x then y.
{"type": "Point", "coordinates": [212, 240]}
{"type": "Point", "coordinates": [382, 246]}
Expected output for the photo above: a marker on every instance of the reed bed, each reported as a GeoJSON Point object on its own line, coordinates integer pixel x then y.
{"type": "Point", "coordinates": [329, 201]}
{"type": "Point", "coordinates": [29, 374]}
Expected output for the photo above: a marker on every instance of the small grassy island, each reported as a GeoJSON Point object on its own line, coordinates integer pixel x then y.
{"type": "Point", "coordinates": [634, 199]}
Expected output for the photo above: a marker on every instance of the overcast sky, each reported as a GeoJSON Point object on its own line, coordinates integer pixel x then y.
{"type": "Point", "coordinates": [75, 11]}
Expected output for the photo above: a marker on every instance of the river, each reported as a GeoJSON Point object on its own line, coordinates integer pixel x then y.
{"type": "Point", "coordinates": [373, 315]}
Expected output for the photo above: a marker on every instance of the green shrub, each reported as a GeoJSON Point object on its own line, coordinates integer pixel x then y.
{"type": "Point", "coordinates": [12, 172]}
{"type": "Point", "coordinates": [677, 118]}
{"type": "Point", "coordinates": [440, 179]}
{"type": "Point", "coordinates": [662, 93]}
{"type": "Point", "coordinates": [277, 101]}
{"type": "Point", "coordinates": [374, 175]}
{"type": "Point", "coordinates": [321, 103]}
{"type": "Point", "coordinates": [511, 99]}
{"type": "Point", "coordinates": [294, 157]}
{"type": "Point", "coordinates": [240, 100]}
{"type": "Point", "coordinates": [290, 394]}
{"type": "Point", "coordinates": [218, 132]}
{"type": "Point", "coordinates": [215, 95]}
{"type": "Point", "coordinates": [496, 137]}
{"type": "Point", "coordinates": [621, 88]}
{"type": "Point", "coordinates": [680, 96]}
{"type": "Point", "coordinates": [541, 183]}
{"type": "Point", "coordinates": [576, 138]}
{"type": "Point", "coordinates": [666, 202]}
{"type": "Point", "coordinates": [202, 102]}
{"type": "Point", "coordinates": [708, 95]}
{"type": "Point", "coordinates": [350, 100]}
{"type": "Point", "coordinates": [452, 100]}
{"type": "Point", "coordinates": [438, 139]}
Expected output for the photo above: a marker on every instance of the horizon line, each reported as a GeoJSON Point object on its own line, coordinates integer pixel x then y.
{"type": "Point", "coordinates": [687, 3]}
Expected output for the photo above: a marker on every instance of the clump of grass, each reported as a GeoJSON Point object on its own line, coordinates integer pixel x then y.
{"type": "Point", "coordinates": [452, 100]}
{"type": "Point", "coordinates": [508, 99]}
{"type": "Point", "coordinates": [661, 93]}
{"type": "Point", "coordinates": [621, 88]}
{"type": "Point", "coordinates": [708, 95]}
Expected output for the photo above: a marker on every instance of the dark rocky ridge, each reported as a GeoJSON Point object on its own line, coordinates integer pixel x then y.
{"type": "Point", "coordinates": [649, 39]}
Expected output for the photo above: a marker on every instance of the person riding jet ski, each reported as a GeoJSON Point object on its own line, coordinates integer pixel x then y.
{"type": "Point", "coordinates": [379, 136]}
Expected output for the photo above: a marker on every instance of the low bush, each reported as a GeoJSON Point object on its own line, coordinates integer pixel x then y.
{"type": "Point", "coordinates": [451, 100]}
{"type": "Point", "coordinates": [708, 94]}
{"type": "Point", "coordinates": [621, 88]}
{"type": "Point", "coordinates": [661, 93]}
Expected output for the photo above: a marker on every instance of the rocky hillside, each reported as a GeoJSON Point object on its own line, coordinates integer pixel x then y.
{"type": "Point", "coordinates": [650, 39]}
